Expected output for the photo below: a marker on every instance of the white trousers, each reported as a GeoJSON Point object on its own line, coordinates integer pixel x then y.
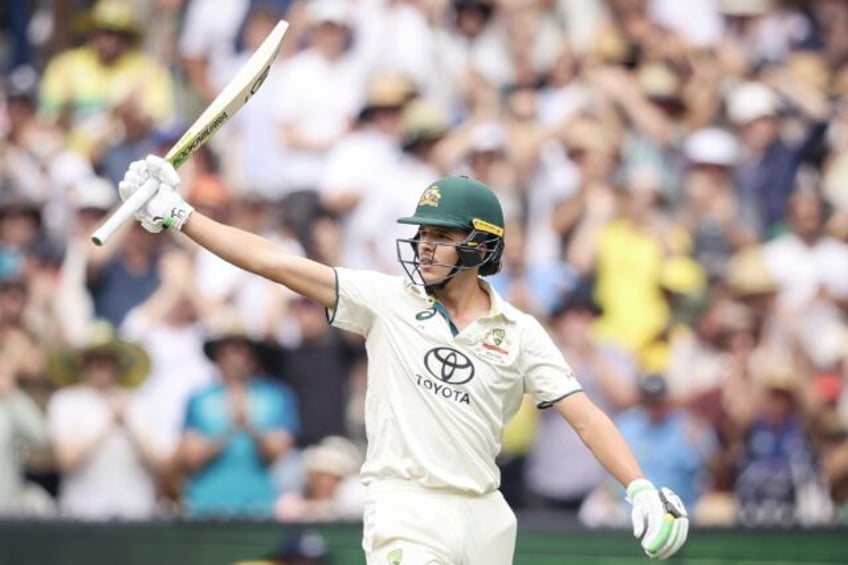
{"type": "Point", "coordinates": [406, 524]}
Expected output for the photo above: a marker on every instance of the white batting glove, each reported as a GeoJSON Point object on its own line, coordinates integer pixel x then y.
{"type": "Point", "coordinates": [659, 518]}
{"type": "Point", "coordinates": [166, 209]}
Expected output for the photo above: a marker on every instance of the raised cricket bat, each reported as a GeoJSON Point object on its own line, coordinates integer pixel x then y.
{"type": "Point", "coordinates": [235, 94]}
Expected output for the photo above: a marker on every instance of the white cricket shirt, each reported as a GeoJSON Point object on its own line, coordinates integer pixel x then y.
{"type": "Point", "coordinates": [436, 403]}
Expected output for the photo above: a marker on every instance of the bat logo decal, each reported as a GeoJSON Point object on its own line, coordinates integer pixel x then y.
{"type": "Point", "coordinates": [258, 83]}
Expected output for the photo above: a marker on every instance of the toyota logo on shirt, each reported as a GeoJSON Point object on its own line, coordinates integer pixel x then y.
{"type": "Point", "coordinates": [449, 365]}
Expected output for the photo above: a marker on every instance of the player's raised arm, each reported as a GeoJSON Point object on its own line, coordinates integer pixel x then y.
{"type": "Point", "coordinates": [253, 253]}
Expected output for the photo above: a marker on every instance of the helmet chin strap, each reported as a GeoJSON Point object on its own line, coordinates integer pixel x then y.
{"type": "Point", "coordinates": [430, 288]}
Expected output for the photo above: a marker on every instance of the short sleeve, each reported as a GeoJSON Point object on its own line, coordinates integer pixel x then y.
{"type": "Point", "coordinates": [359, 297]}
{"type": "Point", "coordinates": [547, 376]}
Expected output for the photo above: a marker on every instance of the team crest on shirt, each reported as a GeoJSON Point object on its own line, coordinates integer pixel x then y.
{"type": "Point", "coordinates": [431, 197]}
{"type": "Point", "coordinates": [495, 340]}
{"type": "Point", "coordinates": [495, 347]}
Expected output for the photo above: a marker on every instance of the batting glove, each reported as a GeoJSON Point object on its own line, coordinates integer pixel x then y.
{"type": "Point", "coordinates": [659, 518]}
{"type": "Point", "coordinates": [166, 209]}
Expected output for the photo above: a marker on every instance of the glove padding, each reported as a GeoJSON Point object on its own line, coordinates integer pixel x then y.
{"type": "Point", "coordinates": [166, 209]}
{"type": "Point", "coordinates": [659, 518]}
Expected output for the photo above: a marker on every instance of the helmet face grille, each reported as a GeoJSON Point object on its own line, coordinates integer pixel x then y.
{"type": "Point", "coordinates": [469, 256]}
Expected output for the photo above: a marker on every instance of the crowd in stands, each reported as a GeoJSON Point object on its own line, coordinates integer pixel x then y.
{"type": "Point", "coordinates": [674, 177]}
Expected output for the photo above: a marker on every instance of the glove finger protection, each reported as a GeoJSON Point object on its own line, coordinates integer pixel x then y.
{"type": "Point", "coordinates": [163, 170]}
{"type": "Point", "coordinates": [659, 518]}
{"type": "Point", "coordinates": [135, 176]}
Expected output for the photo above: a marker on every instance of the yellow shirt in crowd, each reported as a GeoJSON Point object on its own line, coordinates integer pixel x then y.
{"type": "Point", "coordinates": [77, 82]}
{"type": "Point", "coordinates": [629, 267]}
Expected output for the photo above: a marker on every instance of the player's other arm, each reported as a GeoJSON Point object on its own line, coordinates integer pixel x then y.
{"type": "Point", "coordinates": [659, 519]}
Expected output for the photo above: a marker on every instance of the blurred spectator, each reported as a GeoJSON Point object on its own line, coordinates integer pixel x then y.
{"type": "Point", "coordinates": [319, 370]}
{"type": "Point", "coordinates": [561, 471]}
{"type": "Point", "coordinates": [138, 140]}
{"type": "Point", "coordinates": [19, 343]}
{"type": "Point", "coordinates": [710, 211]}
{"type": "Point", "coordinates": [235, 429]}
{"type": "Point", "coordinates": [671, 446]}
{"type": "Point", "coordinates": [688, 442]}
{"type": "Point", "coordinates": [778, 480]}
{"type": "Point", "coordinates": [91, 199]}
{"type": "Point", "coordinates": [532, 286]}
{"type": "Point", "coordinates": [333, 490]}
{"type": "Point", "coordinates": [324, 85]}
{"type": "Point", "coordinates": [353, 179]}
{"type": "Point", "coordinates": [23, 427]}
{"type": "Point", "coordinates": [124, 274]}
{"type": "Point", "coordinates": [251, 144]}
{"type": "Point", "coordinates": [423, 128]}
{"type": "Point", "coordinates": [627, 255]}
{"type": "Point", "coordinates": [81, 87]}
{"type": "Point", "coordinates": [106, 451]}
{"type": "Point", "coordinates": [811, 270]}
{"type": "Point", "coordinates": [169, 324]}
{"type": "Point", "coordinates": [28, 142]}
{"type": "Point", "coordinates": [768, 165]}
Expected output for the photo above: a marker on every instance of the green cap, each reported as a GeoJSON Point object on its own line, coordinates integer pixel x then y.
{"type": "Point", "coordinates": [459, 202]}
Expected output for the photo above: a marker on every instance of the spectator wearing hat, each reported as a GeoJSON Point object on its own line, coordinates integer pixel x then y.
{"type": "Point", "coordinates": [423, 127]}
{"type": "Point", "coordinates": [765, 174]}
{"type": "Point", "coordinates": [108, 458]}
{"type": "Point", "coordinates": [560, 471]}
{"type": "Point", "coordinates": [778, 476]}
{"type": "Point", "coordinates": [83, 85]}
{"type": "Point", "coordinates": [332, 490]}
{"type": "Point", "coordinates": [324, 85]}
{"type": "Point", "coordinates": [710, 211]}
{"type": "Point", "coordinates": [235, 430]}
{"type": "Point", "coordinates": [352, 183]}
{"type": "Point", "coordinates": [670, 443]}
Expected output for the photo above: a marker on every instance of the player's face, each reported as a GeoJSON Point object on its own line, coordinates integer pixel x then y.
{"type": "Point", "coordinates": [437, 254]}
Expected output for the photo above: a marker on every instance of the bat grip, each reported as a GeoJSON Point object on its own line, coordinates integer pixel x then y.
{"type": "Point", "coordinates": [125, 211]}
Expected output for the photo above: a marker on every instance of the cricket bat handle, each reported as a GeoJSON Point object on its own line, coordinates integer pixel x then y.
{"type": "Point", "coordinates": [125, 211]}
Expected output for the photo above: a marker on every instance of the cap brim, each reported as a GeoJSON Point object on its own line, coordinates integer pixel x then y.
{"type": "Point", "coordinates": [424, 221]}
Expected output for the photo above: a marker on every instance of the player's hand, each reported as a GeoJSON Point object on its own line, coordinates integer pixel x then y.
{"type": "Point", "coordinates": [659, 518]}
{"type": "Point", "coordinates": [166, 209]}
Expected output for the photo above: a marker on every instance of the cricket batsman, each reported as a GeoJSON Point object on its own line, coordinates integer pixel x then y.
{"type": "Point", "coordinates": [449, 363]}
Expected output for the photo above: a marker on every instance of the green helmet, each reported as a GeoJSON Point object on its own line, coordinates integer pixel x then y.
{"type": "Point", "coordinates": [464, 203]}
{"type": "Point", "coordinates": [459, 202]}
